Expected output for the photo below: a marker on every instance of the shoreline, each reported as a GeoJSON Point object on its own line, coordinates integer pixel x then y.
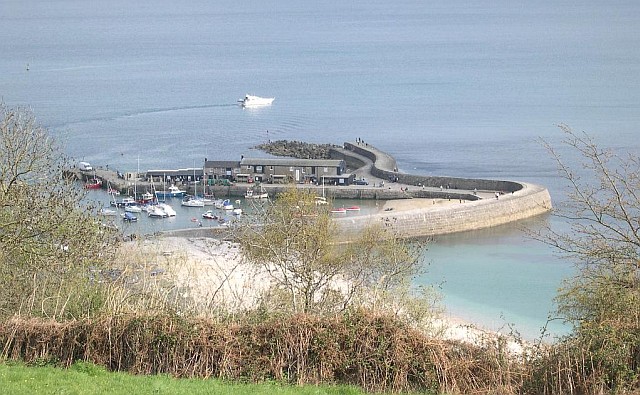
{"type": "Point", "coordinates": [211, 272]}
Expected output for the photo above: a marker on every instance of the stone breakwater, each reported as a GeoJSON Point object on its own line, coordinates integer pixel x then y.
{"type": "Point", "coordinates": [475, 203]}
{"type": "Point", "coordinates": [423, 221]}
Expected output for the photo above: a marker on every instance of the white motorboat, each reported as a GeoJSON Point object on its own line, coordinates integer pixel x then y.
{"type": "Point", "coordinates": [146, 197]}
{"type": "Point", "coordinates": [107, 212]}
{"type": "Point", "coordinates": [167, 209]}
{"type": "Point", "coordinates": [321, 201]}
{"type": "Point", "coordinates": [192, 201]}
{"type": "Point", "coordinates": [255, 101]}
{"type": "Point", "coordinates": [124, 202]}
{"type": "Point", "coordinates": [256, 195]}
{"type": "Point", "coordinates": [226, 205]}
{"type": "Point", "coordinates": [209, 215]}
{"type": "Point", "coordinates": [156, 212]}
{"type": "Point", "coordinates": [133, 209]}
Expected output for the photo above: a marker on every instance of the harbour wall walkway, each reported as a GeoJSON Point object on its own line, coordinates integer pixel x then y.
{"type": "Point", "coordinates": [480, 203]}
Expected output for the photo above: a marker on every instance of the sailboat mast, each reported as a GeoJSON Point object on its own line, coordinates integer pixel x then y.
{"type": "Point", "coordinates": [135, 181]}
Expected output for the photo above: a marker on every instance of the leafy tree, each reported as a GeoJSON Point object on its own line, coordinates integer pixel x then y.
{"type": "Point", "coordinates": [51, 246]}
{"type": "Point", "coordinates": [293, 241]}
{"type": "Point", "coordinates": [603, 301]}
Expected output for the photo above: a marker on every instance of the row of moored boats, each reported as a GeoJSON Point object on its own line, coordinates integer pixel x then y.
{"type": "Point", "coordinates": [156, 206]}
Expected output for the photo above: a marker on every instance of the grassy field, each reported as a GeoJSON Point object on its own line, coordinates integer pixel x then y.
{"type": "Point", "coordinates": [83, 378]}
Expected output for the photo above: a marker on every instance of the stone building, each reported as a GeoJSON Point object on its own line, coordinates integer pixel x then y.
{"type": "Point", "coordinates": [280, 170]}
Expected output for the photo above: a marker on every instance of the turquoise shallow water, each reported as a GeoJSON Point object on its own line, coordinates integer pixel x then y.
{"type": "Point", "coordinates": [459, 88]}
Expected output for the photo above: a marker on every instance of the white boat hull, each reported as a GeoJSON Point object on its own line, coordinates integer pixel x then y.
{"type": "Point", "coordinates": [193, 203]}
{"type": "Point", "coordinates": [256, 101]}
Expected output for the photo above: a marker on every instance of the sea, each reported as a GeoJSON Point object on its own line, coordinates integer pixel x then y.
{"type": "Point", "coordinates": [456, 88]}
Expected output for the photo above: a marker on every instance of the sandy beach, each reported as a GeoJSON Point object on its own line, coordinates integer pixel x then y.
{"type": "Point", "coordinates": [212, 273]}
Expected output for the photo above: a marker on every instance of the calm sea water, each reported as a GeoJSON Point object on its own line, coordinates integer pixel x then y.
{"type": "Point", "coordinates": [460, 88]}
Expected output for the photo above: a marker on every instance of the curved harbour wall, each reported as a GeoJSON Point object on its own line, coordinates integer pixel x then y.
{"type": "Point", "coordinates": [516, 201]}
{"type": "Point", "coordinates": [384, 166]}
{"type": "Point", "coordinates": [527, 202]}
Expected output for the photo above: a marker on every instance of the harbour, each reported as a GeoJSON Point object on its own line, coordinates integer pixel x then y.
{"type": "Point", "coordinates": [488, 203]}
{"type": "Point", "coordinates": [462, 90]}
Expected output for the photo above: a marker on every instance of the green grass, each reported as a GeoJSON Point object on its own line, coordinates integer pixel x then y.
{"type": "Point", "coordinates": [84, 378]}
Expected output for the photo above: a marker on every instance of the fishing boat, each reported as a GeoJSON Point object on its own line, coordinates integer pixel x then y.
{"type": "Point", "coordinates": [124, 202]}
{"type": "Point", "coordinates": [172, 192]}
{"type": "Point", "coordinates": [94, 183]}
{"type": "Point", "coordinates": [146, 198]}
{"type": "Point", "coordinates": [251, 194]}
{"type": "Point", "coordinates": [255, 101]}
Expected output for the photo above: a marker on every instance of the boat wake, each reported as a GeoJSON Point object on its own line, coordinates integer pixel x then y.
{"type": "Point", "coordinates": [130, 114]}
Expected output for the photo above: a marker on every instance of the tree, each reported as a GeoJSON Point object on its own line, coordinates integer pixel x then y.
{"type": "Point", "coordinates": [311, 272]}
{"type": "Point", "coordinates": [603, 301]}
{"type": "Point", "coordinates": [51, 245]}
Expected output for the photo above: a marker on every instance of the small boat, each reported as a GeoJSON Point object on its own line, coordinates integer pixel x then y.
{"type": "Point", "coordinates": [94, 183]}
{"type": "Point", "coordinates": [252, 195]}
{"type": "Point", "coordinates": [192, 201]}
{"type": "Point", "coordinates": [339, 210]}
{"type": "Point", "coordinates": [124, 202]}
{"type": "Point", "coordinates": [155, 211]}
{"type": "Point", "coordinates": [167, 209]}
{"type": "Point", "coordinates": [321, 201]}
{"type": "Point", "coordinates": [353, 208]}
{"type": "Point", "coordinates": [209, 215]}
{"type": "Point", "coordinates": [107, 212]}
{"type": "Point", "coordinates": [133, 209]}
{"type": "Point", "coordinates": [255, 101]}
{"type": "Point", "coordinates": [129, 217]}
{"type": "Point", "coordinates": [226, 204]}
{"type": "Point", "coordinates": [146, 197]}
{"type": "Point", "coordinates": [172, 192]}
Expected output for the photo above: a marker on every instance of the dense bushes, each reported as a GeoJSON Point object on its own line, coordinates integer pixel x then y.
{"type": "Point", "coordinates": [373, 351]}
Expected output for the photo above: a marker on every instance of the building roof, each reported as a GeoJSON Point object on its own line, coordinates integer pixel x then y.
{"type": "Point", "coordinates": [291, 162]}
{"type": "Point", "coordinates": [221, 164]}
{"type": "Point", "coordinates": [177, 172]}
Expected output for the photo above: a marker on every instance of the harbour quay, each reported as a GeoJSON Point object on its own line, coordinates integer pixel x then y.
{"type": "Point", "coordinates": [355, 170]}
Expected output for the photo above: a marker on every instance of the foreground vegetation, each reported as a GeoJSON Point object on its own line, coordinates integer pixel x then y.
{"type": "Point", "coordinates": [86, 378]}
{"type": "Point", "coordinates": [327, 313]}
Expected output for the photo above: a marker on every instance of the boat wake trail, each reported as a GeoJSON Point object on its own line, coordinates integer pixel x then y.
{"type": "Point", "coordinates": [129, 114]}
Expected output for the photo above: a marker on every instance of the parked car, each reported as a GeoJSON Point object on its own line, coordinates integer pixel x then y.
{"type": "Point", "coordinates": [360, 182]}
{"type": "Point", "coordinates": [85, 166]}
